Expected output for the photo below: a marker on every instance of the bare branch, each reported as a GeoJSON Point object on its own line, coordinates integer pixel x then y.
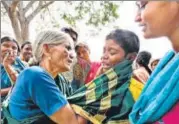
{"type": "Point", "coordinates": [38, 9]}
{"type": "Point", "coordinates": [14, 5]}
{"type": "Point", "coordinates": [28, 6]}
{"type": "Point", "coordinates": [20, 13]}
{"type": "Point", "coordinates": [20, 7]}
{"type": "Point", "coordinates": [5, 5]}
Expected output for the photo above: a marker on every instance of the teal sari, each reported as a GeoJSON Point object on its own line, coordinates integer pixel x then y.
{"type": "Point", "coordinates": [18, 66]}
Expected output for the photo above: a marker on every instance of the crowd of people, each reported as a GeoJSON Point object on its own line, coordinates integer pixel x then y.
{"type": "Point", "coordinates": [54, 80]}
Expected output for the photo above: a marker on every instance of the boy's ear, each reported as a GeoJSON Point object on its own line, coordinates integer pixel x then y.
{"type": "Point", "coordinates": [131, 56]}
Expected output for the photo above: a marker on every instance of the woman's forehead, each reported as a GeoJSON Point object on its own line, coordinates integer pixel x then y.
{"type": "Point", "coordinates": [9, 42]}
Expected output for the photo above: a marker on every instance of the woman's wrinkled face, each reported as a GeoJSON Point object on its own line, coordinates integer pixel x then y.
{"type": "Point", "coordinates": [27, 52]}
{"type": "Point", "coordinates": [62, 56]}
{"type": "Point", "coordinates": [157, 18]}
{"type": "Point", "coordinates": [11, 48]}
{"type": "Point", "coordinates": [112, 54]}
{"type": "Point", "coordinates": [83, 53]}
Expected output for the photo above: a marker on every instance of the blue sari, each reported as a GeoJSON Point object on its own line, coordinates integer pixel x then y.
{"type": "Point", "coordinates": [160, 93]}
{"type": "Point", "coordinates": [18, 66]}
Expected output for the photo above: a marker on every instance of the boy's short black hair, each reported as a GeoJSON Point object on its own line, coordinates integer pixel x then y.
{"type": "Point", "coordinates": [70, 31]}
{"type": "Point", "coordinates": [7, 38]}
{"type": "Point", "coordinates": [128, 40]}
{"type": "Point", "coordinates": [26, 42]}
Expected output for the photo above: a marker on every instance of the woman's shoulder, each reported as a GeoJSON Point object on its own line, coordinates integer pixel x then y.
{"type": "Point", "coordinates": [35, 74]}
{"type": "Point", "coordinates": [34, 70]}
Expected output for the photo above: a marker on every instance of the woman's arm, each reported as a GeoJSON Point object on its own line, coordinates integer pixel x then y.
{"type": "Point", "coordinates": [81, 120]}
{"type": "Point", "coordinates": [65, 115]}
{"type": "Point", "coordinates": [11, 72]}
{"type": "Point", "coordinates": [47, 96]}
{"type": "Point", "coordinates": [5, 91]}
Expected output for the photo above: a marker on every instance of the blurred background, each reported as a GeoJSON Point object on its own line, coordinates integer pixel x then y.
{"type": "Point", "coordinates": [93, 20]}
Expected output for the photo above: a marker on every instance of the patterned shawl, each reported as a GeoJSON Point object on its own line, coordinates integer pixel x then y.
{"type": "Point", "coordinates": [107, 99]}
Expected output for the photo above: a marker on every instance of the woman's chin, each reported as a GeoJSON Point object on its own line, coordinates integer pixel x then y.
{"type": "Point", "coordinates": [67, 68]}
{"type": "Point", "coordinates": [149, 35]}
{"type": "Point", "coordinates": [64, 69]}
{"type": "Point", "coordinates": [146, 35]}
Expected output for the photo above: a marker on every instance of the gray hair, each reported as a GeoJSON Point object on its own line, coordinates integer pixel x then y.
{"type": "Point", "coordinates": [48, 37]}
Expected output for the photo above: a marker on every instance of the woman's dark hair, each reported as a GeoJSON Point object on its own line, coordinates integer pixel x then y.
{"type": "Point", "coordinates": [70, 31]}
{"type": "Point", "coordinates": [7, 39]}
{"type": "Point", "coordinates": [128, 40]}
{"type": "Point", "coordinates": [26, 42]}
{"type": "Point", "coordinates": [143, 59]}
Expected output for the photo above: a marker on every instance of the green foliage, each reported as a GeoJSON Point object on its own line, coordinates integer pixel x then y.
{"type": "Point", "coordinates": [94, 13]}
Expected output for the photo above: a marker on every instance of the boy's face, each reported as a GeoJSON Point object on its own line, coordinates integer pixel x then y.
{"type": "Point", "coordinates": [113, 53]}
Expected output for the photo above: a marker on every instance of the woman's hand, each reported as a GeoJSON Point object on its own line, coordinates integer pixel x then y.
{"type": "Point", "coordinates": [7, 63]}
{"type": "Point", "coordinates": [141, 75]}
{"type": "Point", "coordinates": [7, 59]}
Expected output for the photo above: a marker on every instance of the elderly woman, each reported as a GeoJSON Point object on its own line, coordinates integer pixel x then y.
{"type": "Point", "coordinates": [159, 101]}
{"type": "Point", "coordinates": [36, 98]}
{"type": "Point", "coordinates": [10, 66]}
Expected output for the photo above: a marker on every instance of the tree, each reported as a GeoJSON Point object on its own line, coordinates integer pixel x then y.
{"type": "Point", "coordinates": [19, 17]}
{"type": "Point", "coordinates": [21, 13]}
{"type": "Point", "coordinates": [96, 13]}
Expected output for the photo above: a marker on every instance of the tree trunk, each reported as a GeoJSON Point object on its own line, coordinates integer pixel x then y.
{"type": "Point", "coordinates": [25, 31]}
{"type": "Point", "coordinates": [15, 24]}
{"type": "Point", "coordinates": [20, 26]}
{"type": "Point", "coordinates": [20, 23]}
